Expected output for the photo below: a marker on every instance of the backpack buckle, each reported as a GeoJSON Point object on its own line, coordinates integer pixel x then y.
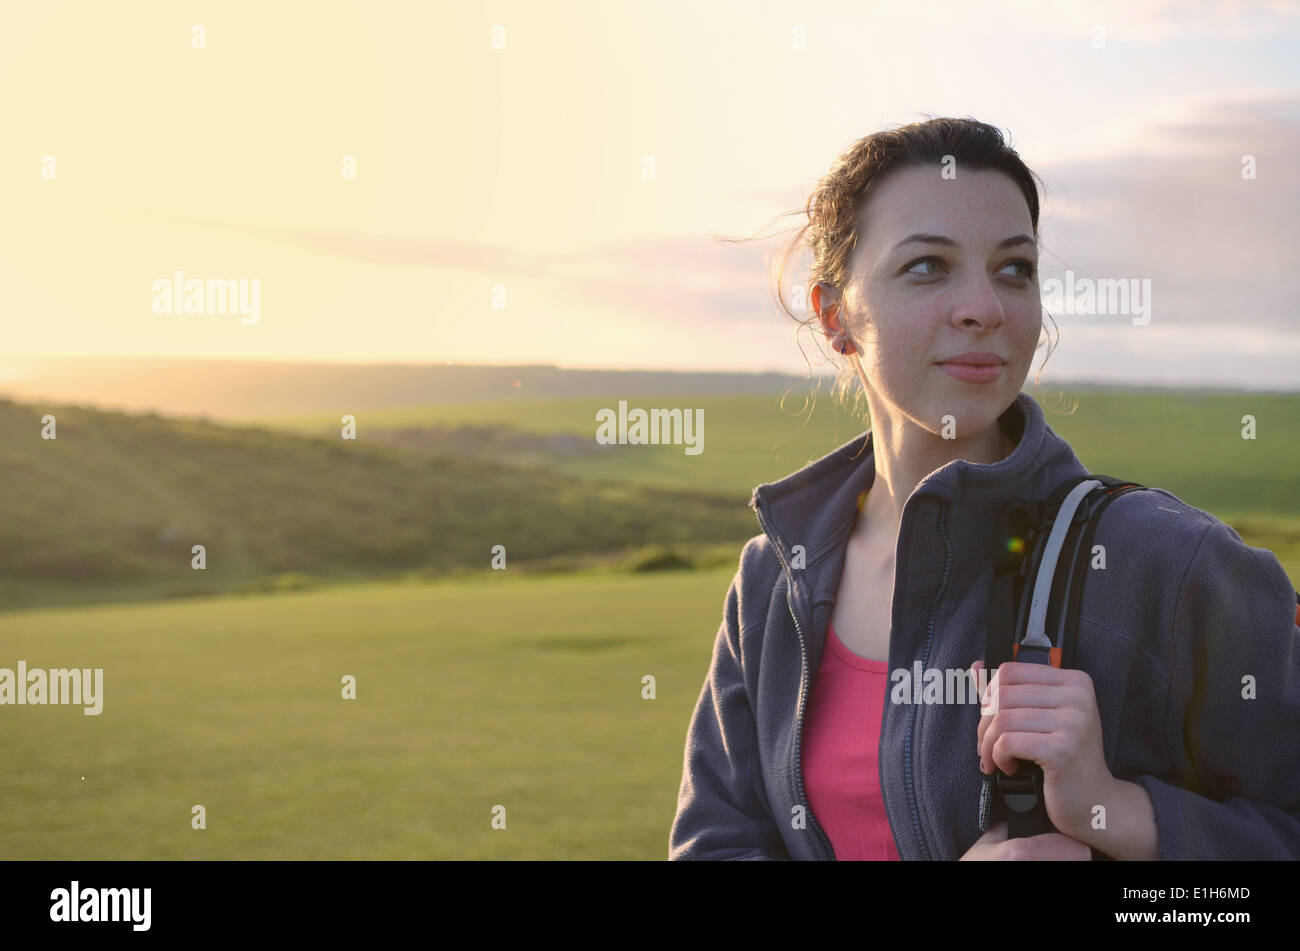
{"type": "Point", "coordinates": [1023, 792]}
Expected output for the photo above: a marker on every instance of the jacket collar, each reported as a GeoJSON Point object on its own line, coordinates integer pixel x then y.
{"type": "Point", "coordinates": [815, 507]}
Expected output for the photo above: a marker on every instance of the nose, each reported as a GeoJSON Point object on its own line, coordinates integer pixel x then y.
{"type": "Point", "coordinates": [978, 306]}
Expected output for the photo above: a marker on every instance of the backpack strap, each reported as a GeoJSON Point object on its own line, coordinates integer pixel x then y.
{"type": "Point", "coordinates": [1035, 647]}
{"type": "Point", "coordinates": [1037, 556]}
{"type": "Point", "coordinates": [1071, 584]}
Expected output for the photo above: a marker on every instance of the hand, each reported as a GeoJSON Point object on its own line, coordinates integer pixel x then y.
{"type": "Point", "coordinates": [1048, 715]}
{"type": "Point", "coordinates": [994, 846]}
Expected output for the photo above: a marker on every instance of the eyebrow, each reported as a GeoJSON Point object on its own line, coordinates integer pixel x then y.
{"type": "Point", "coordinates": [950, 243]}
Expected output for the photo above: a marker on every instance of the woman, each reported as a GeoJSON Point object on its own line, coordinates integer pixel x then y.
{"type": "Point", "coordinates": [1175, 737]}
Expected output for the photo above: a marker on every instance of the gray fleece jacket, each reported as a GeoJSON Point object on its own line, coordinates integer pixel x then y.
{"type": "Point", "coordinates": [1189, 636]}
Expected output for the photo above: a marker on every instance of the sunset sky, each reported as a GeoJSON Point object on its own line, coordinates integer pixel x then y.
{"type": "Point", "coordinates": [523, 167]}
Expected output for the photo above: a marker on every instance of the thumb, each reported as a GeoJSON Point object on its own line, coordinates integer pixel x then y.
{"type": "Point", "coordinates": [997, 832]}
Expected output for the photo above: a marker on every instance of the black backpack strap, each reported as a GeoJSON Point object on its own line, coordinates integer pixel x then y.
{"type": "Point", "coordinates": [1024, 535]}
{"type": "Point", "coordinates": [1017, 547]}
{"type": "Point", "coordinates": [1071, 585]}
{"type": "Point", "coordinates": [1021, 793]}
{"type": "Point", "coordinates": [1018, 799]}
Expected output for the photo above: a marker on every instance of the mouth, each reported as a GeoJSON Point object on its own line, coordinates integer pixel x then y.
{"type": "Point", "coordinates": [972, 372]}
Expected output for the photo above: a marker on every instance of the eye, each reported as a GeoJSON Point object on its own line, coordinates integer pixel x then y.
{"type": "Point", "coordinates": [930, 260]}
{"type": "Point", "coordinates": [1028, 266]}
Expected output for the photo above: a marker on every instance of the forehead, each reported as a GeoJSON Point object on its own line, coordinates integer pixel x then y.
{"type": "Point", "coordinates": [979, 207]}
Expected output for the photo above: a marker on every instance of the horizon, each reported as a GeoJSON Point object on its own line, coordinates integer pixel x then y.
{"type": "Point", "coordinates": [229, 390]}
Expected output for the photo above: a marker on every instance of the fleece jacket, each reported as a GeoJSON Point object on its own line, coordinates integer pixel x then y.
{"type": "Point", "coordinates": [1188, 634]}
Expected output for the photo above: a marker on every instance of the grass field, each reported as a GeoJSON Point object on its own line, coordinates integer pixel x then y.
{"type": "Point", "coordinates": [1187, 442]}
{"type": "Point", "coordinates": [518, 691]}
{"type": "Point", "coordinates": [111, 510]}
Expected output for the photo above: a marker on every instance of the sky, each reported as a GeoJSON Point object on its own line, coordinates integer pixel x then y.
{"type": "Point", "coordinates": [547, 182]}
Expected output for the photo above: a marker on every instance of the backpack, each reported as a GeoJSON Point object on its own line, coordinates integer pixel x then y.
{"type": "Point", "coordinates": [1041, 551]}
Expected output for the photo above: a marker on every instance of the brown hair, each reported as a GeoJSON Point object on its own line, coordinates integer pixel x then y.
{"type": "Point", "coordinates": [835, 206]}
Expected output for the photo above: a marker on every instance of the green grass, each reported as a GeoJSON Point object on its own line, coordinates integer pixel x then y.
{"type": "Point", "coordinates": [1188, 442]}
{"type": "Point", "coordinates": [747, 439]}
{"type": "Point", "coordinates": [511, 690]}
{"type": "Point", "coordinates": [1185, 441]}
{"type": "Point", "coordinates": [1191, 444]}
{"type": "Point", "coordinates": [109, 511]}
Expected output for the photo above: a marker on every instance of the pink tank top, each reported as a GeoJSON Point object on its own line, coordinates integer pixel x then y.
{"type": "Point", "coordinates": [841, 741]}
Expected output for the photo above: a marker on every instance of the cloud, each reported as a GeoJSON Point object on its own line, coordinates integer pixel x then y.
{"type": "Point", "coordinates": [1218, 248]}
{"type": "Point", "coordinates": [418, 251]}
{"type": "Point", "coordinates": [1175, 209]}
{"type": "Point", "coordinates": [673, 277]}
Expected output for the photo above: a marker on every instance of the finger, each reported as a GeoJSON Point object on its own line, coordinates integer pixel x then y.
{"type": "Point", "coordinates": [1018, 672]}
{"type": "Point", "coordinates": [1029, 689]}
{"type": "Point", "coordinates": [1055, 847]}
{"type": "Point", "coordinates": [1023, 720]}
{"type": "Point", "coordinates": [1014, 696]}
{"type": "Point", "coordinates": [1036, 695]}
{"type": "Point", "coordinates": [985, 847]}
{"type": "Point", "coordinates": [1040, 748]}
{"type": "Point", "coordinates": [996, 835]}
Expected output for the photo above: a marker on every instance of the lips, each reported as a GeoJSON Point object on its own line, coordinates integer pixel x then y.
{"type": "Point", "coordinates": [973, 373]}
{"type": "Point", "coordinates": [975, 358]}
{"type": "Point", "coordinates": [974, 366]}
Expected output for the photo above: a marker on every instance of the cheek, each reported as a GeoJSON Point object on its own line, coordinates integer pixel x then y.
{"type": "Point", "coordinates": [905, 337]}
{"type": "Point", "coordinates": [897, 337]}
{"type": "Point", "coordinates": [1030, 331]}
{"type": "Point", "coordinates": [894, 356]}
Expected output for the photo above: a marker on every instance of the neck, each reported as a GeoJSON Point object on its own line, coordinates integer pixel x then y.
{"type": "Point", "coordinates": [905, 454]}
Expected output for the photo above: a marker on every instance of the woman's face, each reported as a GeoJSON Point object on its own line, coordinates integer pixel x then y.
{"type": "Point", "coordinates": [972, 285]}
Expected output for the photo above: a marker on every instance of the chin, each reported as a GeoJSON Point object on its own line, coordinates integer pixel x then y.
{"type": "Point", "coordinates": [971, 415]}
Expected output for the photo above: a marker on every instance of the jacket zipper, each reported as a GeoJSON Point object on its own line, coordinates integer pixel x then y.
{"type": "Point", "coordinates": [797, 766]}
{"type": "Point", "coordinates": [925, 659]}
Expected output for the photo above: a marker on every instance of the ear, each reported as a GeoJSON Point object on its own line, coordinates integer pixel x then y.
{"type": "Point", "coordinates": [825, 301]}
